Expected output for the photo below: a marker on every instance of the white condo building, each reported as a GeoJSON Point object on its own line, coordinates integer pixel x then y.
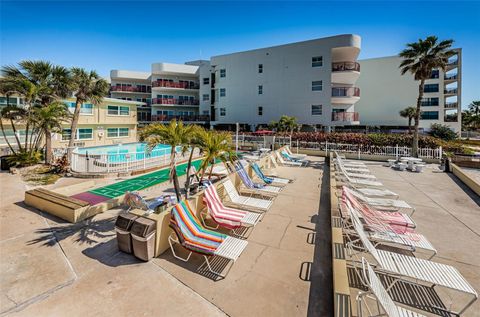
{"type": "Point", "coordinates": [317, 81]}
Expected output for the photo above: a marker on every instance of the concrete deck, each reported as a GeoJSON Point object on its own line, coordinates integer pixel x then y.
{"type": "Point", "coordinates": [447, 213]}
{"type": "Point", "coordinates": [49, 267]}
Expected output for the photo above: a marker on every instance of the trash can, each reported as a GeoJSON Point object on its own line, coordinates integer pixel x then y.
{"type": "Point", "coordinates": [122, 227]}
{"type": "Point", "coordinates": [143, 238]}
{"type": "Point", "coordinates": [4, 164]}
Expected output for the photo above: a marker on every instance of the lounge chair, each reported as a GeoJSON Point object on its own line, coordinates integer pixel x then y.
{"type": "Point", "coordinates": [385, 305]}
{"type": "Point", "coordinates": [133, 200]}
{"type": "Point", "coordinates": [346, 162]}
{"type": "Point", "coordinates": [342, 170]}
{"type": "Point", "coordinates": [288, 163]}
{"type": "Point", "coordinates": [400, 222]}
{"type": "Point", "coordinates": [255, 188]}
{"type": "Point", "coordinates": [353, 169]}
{"type": "Point", "coordinates": [195, 238]}
{"type": "Point", "coordinates": [373, 192]}
{"type": "Point", "coordinates": [224, 216]}
{"type": "Point", "coordinates": [413, 269]}
{"type": "Point", "coordinates": [359, 182]}
{"type": "Point", "coordinates": [381, 233]}
{"type": "Point", "coordinates": [381, 203]}
{"type": "Point", "coordinates": [296, 156]}
{"type": "Point", "coordinates": [291, 158]}
{"type": "Point", "coordinates": [267, 179]}
{"type": "Point", "coordinates": [244, 202]}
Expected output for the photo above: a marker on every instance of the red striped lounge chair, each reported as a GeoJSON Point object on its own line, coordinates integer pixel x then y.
{"type": "Point", "coordinates": [195, 238]}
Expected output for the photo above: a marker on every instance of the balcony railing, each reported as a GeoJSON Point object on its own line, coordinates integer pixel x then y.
{"type": "Point", "coordinates": [451, 77]}
{"type": "Point", "coordinates": [345, 92]}
{"type": "Point", "coordinates": [160, 117]}
{"type": "Point", "coordinates": [429, 103]}
{"type": "Point", "coordinates": [450, 118]}
{"type": "Point", "coordinates": [345, 67]}
{"type": "Point", "coordinates": [147, 89]}
{"type": "Point", "coordinates": [172, 84]}
{"type": "Point", "coordinates": [451, 105]}
{"type": "Point", "coordinates": [345, 116]}
{"type": "Point", "coordinates": [174, 101]}
{"type": "Point", "coordinates": [450, 91]}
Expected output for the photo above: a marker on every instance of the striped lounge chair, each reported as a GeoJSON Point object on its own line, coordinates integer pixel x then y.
{"type": "Point", "coordinates": [226, 217]}
{"type": "Point", "coordinates": [253, 187]}
{"type": "Point", "coordinates": [269, 179]}
{"type": "Point", "coordinates": [195, 238]}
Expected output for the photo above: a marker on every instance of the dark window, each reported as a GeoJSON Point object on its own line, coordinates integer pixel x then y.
{"type": "Point", "coordinates": [260, 89]}
{"type": "Point", "coordinates": [429, 115]}
{"type": "Point", "coordinates": [223, 72]}
{"type": "Point", "coordinates": [431, 88]}
{"type": "Point", "coordinates": [223, 112]}
{"type": "Point", "coordinates": [260, 68]}
{"type": "Point", "coordinates": [223, 92]}
{"type": "Point", "coordinates": [317, 61]}
{"type": "Point", "coordinates": [317, 85]}
{"type": "Point", "coordinates": [316, 110]}
{"type": "Point", "coordinates": [429, 102]}
{"type": "Point", "coordinates": [206, 81]}
{"type": "Point", "coordinates": [260, 111]}
{"type": "Point", "coordinates": [435, 74]}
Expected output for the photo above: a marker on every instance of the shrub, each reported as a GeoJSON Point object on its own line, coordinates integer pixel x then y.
{"type": "Point", "coordinates": [61, 165]}
{"type": "Point", "coordinates": [443, 132]}
{"type": "Point", "coordinates": [25, 158]}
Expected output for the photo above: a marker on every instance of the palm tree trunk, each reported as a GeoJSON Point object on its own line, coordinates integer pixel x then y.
{"type": "Point", "coordinates": [189, 165]}
{"type": "Point", "coordinates": [15, 134]}
{"type": "Point", "coordinates": [410, 125]}
{"type": "Point", "coordinates": [48, 147]}
{"type": "Point", "coordinates": [173, 174]}
{"type": "Point", "coordinates": [417, 118]}
{"type": "Point", "coordinates": [211, 170]}
{"type": "Point", "coordinates": [73, 129]}
{"type": "Point", "coordinates": [5, 137]}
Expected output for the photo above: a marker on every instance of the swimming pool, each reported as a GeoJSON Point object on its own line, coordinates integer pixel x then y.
{"type": "Point", "coordinates": [120, 153]}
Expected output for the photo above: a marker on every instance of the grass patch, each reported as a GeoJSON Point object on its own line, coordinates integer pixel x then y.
{"type": "Point", "coordinates": [40, 175]}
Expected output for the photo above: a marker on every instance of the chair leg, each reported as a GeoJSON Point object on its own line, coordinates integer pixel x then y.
{"type": "Point", "coordinates": [215, 272]}
{"type": "Point", "coordinates": [203, 217]}
{"type": "Point", "coordinates": [170, 240]}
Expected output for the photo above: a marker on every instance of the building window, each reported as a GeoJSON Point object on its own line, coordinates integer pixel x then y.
{"type": "Point", "coordinates": [206, 80]}
{"type": "Point", "coordinates": [84, 134]}
{"type": "Point", "coordinates": [260, 89]}
{"type": "Point", "coordinates": [260, 111]}
{"type": "Point", "coordinates": [317, 61]}
{"type": "Point", "coordinates": [223, 92]}
{"type": "Point", "coordinates": [118, 110]}
{"type": "Point", "coordinates": [316, 110]}
{"type": "Point", "coordinates": [223, 72]}
{"type": "Point", "coordinates": [12, 101]}
{"type": "Point", "coordinates": [435, 74]}
{"type": "Point", "coordinates": [117, 132]}
{"type": "Point", "coordinates": [260, 68]}
{"type": "Point", "coordinates": [317, 85]}
{"type": "Point", "coordinates": [430, 102]}
{"type": "Point", "coordinates": [223, 112]}
{"type": "Point", "coordinates": [429, 115]}
{"type": "Point", "coordinates": [66, 134]}
{"type": "Point", "coordinates": [205, 97]}
{"type": "Point", "coordinates": [85, 108]}
{"type": "Point", "coordinates": [431, 88]}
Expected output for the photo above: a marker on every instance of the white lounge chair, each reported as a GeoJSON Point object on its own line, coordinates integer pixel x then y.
{"type": "Point", "coordinates": [244, 202]}
{"type": "Point", "coordinates": [293, 155]}
{"type": "Point", "coordinates": [287, 163]}
{"type": "Point", "coordinates": [372, 192]}
{"type": "Point", "coordinates": [385, 305]}
{"type": "Point", "coordinates": [382, 203]}
{"type": "Point", "coordinates": [361, 182]}
{"type": "Point", "coordinates": [414, 269]}
{"type": "Point", "coordinates": [355, 175]}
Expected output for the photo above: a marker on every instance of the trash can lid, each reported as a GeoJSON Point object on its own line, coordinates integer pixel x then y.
{"type": "Point", "coordinates": [125, 221]}
{"type": "Point", "coordinates": [143, 227]}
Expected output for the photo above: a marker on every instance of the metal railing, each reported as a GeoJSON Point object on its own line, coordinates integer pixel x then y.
{"type": "Point", "coordinates": [450, 91]}
{"type": "Point", "coordinates": [200, 118]}
{"type": "Point", "coordinates": [174, 101]}
{"type": "Point", "coordinates": [345, 92]}
{"type": "Point", "coordinates": [123, 162]}
{"type": "Point", "coordinates": [345, 116]}
{"type": "Point", "coordinates": [172, 84]}
{"type": "Point", "coordinates": [394, 151]}
{"type": "Point", "coordinates": [345, 67]}
{"type": "Point", "coordinates": [147, 89]}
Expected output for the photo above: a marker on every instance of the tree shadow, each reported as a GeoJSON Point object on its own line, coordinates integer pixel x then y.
{"type": "Point", "coordinates": [108, 254]}
{"type": "Point", "coordinates": [88, 231]}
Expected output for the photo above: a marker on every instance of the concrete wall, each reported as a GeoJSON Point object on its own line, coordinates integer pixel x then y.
{"type": "Point", "coordinates": [466, 179]}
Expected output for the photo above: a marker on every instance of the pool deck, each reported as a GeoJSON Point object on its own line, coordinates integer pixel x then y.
{"type": "Point", "coordinates": [52, 268]}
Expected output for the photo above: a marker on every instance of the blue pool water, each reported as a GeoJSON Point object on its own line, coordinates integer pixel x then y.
{"type": "Point", "coordinates": [124, 152]}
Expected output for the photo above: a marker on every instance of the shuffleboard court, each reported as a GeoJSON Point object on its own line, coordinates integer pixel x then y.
{"type": "Point", "coordinates": [141, 182]}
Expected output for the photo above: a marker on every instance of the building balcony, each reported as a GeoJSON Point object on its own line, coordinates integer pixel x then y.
{"type": "Point", "coordinates": [451, 77]}
{"type": "Point", "coordinates": [345, 95]}
{"type": "Point", "coordinates": [451, 105]}
{"type": "Point", "coordinates": [345, 118]}
{"type": "Point", "coordinates": [345, 72]}
{"type": "Point", "coordinates": [450, 91]}
{"type": "Point", "coordinates": [194, 118]}
{"type": "Point", "coordinates": [175, 85]}
{"type": "Point", "coordinates": [146, 90]}
{"type": "Point", "coordinates": [175, 102]}
{"type": "Point", "coordinates": [450, 118]}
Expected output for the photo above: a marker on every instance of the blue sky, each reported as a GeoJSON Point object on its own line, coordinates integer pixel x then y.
{"type": "Point", "coordinates": [104, 35]}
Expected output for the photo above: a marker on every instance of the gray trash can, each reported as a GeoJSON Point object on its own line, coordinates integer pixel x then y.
{"type": "Point", "coordinates": [122, 227]}
{"type": "Point", "coordinates": [143, 238]}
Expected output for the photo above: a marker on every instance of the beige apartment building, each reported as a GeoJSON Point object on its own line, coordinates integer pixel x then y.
{"type": "Point", "coordinates": [114, 121]}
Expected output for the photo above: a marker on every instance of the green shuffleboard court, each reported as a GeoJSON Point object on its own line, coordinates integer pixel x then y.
{"type": "Point", "coordinates": [141, 182]}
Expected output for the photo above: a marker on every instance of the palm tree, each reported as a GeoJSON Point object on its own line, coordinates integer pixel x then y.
{"type": "Point", "coordinates": [49, 120]}
{"type": "Point", "coordinates": [87, 87]}
{"type": "Point", "coordinates": [474, 107]}
{"type": "Point", "coordinates": [215, 145]}
{"type": "Point", "coordinates": [194, 142]}
{"type": "Point", "coordinates": [408, 113]}
{"type": "Point", "coordinates": [287, 124]}
{"type": "Point", "coordinates": [175, 134]}
{"type": "Point", "coordinates": [419, 59]}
